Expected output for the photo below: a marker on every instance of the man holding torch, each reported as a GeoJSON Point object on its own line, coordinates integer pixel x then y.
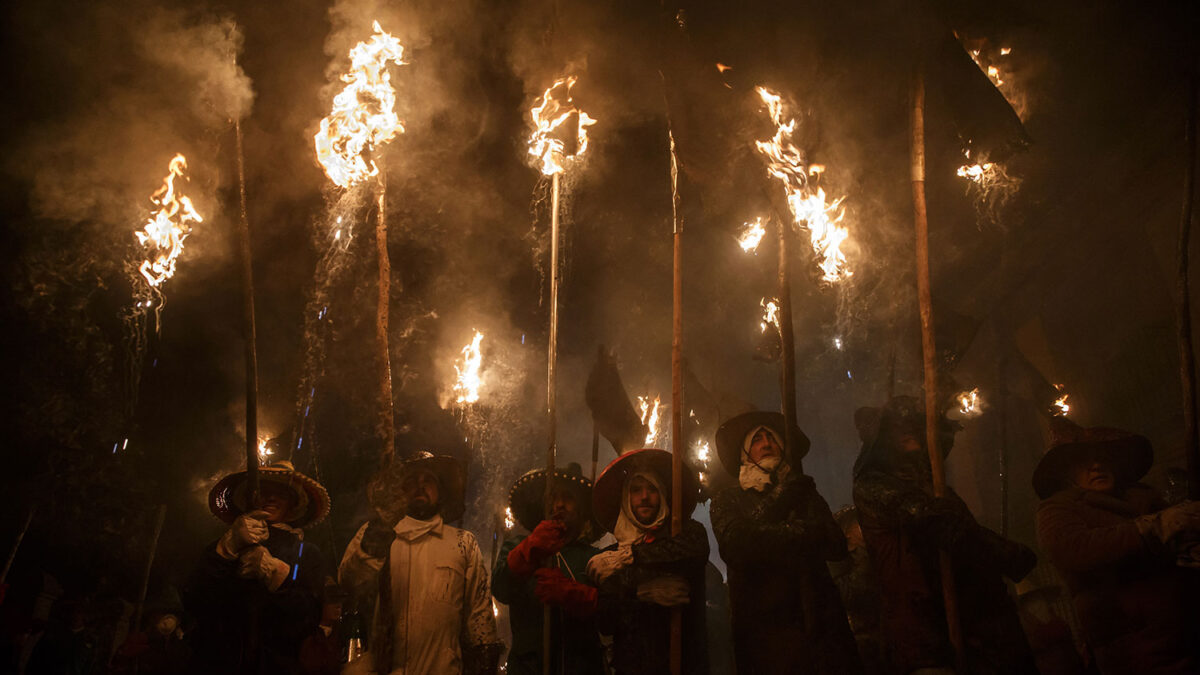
{"type": "Point", "coordinates": [776, 535]}
{"type": "Point", "coordinates": [434, 612]}
{"type": "Point", "coordinates": [648, 573]}
{"type": "Point", "coordinates": [549, 567]}
{"type": "Point", "coordinates": [906, 528]}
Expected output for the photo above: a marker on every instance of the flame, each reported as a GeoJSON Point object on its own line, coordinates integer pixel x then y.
{"type": "Point", "coordinates": [509, 521]}
{"type": "Point", "coordinates": [264, 453]}
{"type": "Point", "coordinates": [555, 109]}
{"type": "Point", "coordinates": [1060, 406]}
{"type": "Point", "coordinates": [721, 68]}
{"type": "Point", "coordinates": [702, 454]}
{"type": "Point", "coordinates": [969, 403]}
{"type": "Point", "coordinates": [168, 226]}
{"type": "Point", "coordinates": [770, 314]}
{"type": "Point", "coordinates": [983, 173]}
{"type": "Point", "coordinates": [466, 387]}
{"type": "Point", "coordinates": [752, 235]}
{"type": "Point", "coordinates": [651, 417]}
{"type": "Point", "coordinates": [364, 113]}
{"type": "Point", "coordinates": [495, 609]}
{"type": "Point", "coordinates": [810, 208]}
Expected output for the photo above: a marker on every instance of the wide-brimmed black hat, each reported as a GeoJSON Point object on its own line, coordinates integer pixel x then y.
{"type": "Point", "coordinates": [527, 497]}
{"type": "Point", "coordinates": [227, 499]}
{"type": "Point", "coordinates": [610, 484]}
{"type": "Point", "coordinates": [731, 437]}
{"type": "Point", "coordinates": [452, 483]}
{"type": "Point", "coordinates": [1129, 455]}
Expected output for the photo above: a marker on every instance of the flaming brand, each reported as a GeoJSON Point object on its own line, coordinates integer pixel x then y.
{"type": "Point", "coordinates": [169, 224]}
{"type": "Point", "coordinates": [555, 109]}
{"type": "Point", "coordinates": [752, 235]}
{"type": "Point", "coordinates": [466, 387]}
{"type": "Point", "coordinates": [364, 113]}
{"type": "Point", "coordinates": [770, 315]}
{"type": "Point", "coordinates": [651, 416]}
{"type": "Point", "coordinates": [969, 403]}
{"type": "Point", "coordinates": [810, 210]}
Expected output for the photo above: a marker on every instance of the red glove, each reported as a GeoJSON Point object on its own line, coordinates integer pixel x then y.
{"type": "Point", "coordinates": [546, 539]}
{"type": "Point", "coordinates": [554, 588]}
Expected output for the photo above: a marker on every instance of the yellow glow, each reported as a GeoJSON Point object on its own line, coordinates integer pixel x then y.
{"type": "Point", "coordinates": [466, 386]}
{"type": "Point", "coordinates": [555, 109]}
{"type": "Point", "coordinates": [169, 225]}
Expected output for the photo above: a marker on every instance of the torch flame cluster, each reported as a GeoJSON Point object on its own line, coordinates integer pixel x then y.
{"type": "Point", "coordinates": [1060, 406]}
{"type": "Point", "coordinates": [651, 418]}
{"type": "Point", "coordinates": [752, 235]}
{"type": "Point", "coordinates": [969, 403]}
{"type": "Point", "coordinates": [466, 386]}
{"type": "Point", "coordinates": [264, 452]}
{"type": "Point", "coordinates": [702, 454]}
{"type": "Point", "coordinates": [364, 113]}
{"type": "Point", "coordinates": [554, 110]}
{"type": "Point", "coordinates": [509, 520]}
{"type": "Point", "coordinates": [809, 205]}
{"type": "Point", "coordinates": [169, 224]}
{"type": "Point", "coordinates": [770, 314]}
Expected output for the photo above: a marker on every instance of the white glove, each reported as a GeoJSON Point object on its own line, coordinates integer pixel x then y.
{"type": "Point", "coordinates": [247, 529]}
{"type": "Point", "coordinates": [668, 590]}
{"type": "Point", "coordinates": [604, 565]}
{"type": "Point", "coordinates": [1165, 525]}
{"type": "Point", "coordinates": [256, 563]}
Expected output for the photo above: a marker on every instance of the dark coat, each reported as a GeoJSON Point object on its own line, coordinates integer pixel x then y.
{"type": "Point", "coordinates": [222, 605]}
{"type": "Point", "coordinates": [574, 643]}
{"type": "Point", "coordinates": [787, 613]}
{"type": "Point", "coordinates": [904, 528]}
{"type": "Point", "coordinates": [640, 630]}
{"type": "Point", "coordinates": [1138, 610]}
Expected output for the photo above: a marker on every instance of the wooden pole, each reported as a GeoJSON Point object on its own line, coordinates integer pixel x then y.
{"type": "Point", "coordinates": [249, 332]}
{"type": "Point", "coordinates": [928, 346]}
{"type": "Point", "coordinates": [551, 392]}
{"type": "Point", "coordinates": [141, 603]}
{"type": "Point", "coordinates": [787, 339]}
{"type": "Point", "coordinates": [12, 555]}
{"type": "Point", "coordinates": [385, 426]}
{"type": "Point", "coordinates": [678, 445]}
{"type": "Point", "coordinates": [1187, 354]}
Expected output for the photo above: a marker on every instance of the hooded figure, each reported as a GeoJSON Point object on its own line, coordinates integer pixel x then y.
{"type": "Point", "coordinates": [434, 612]}
{"type": "Point", "coordinates": [648, 572]}
{"type": "Point", "coordinates": [549, 567]}
{"type": "Point", "coordinates": [261, 578]}
{"type": "Point", "coordinates": [905, 528]}
{"type": "Point", "coordinates": [776, 534]}
{"type": "Point", "coordinates": [1129, 560]}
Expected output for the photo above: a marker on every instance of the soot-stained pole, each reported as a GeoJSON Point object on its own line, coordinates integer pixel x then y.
{"type": "Point", "coordinates": [385, 426]}
{"type": "Point", "coordinates": [249, 332]}
{"type": "Point", "coordinates": [1187, 354]}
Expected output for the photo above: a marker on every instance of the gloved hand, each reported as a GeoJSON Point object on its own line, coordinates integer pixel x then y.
{"type": "Point", "coordinates": [554, 588]}
{"type": "Point", "coordinates": [546, 539]}
{"type": "Point", "coordinates": [604, 565]}
{"type": "Point", "coordinates": [256, 563]}
{"type": "Point", "coordinates": [668, 590]}
{"type": "Point", "coordinates": [247, 529]}
{"type": "Point", "coordinates": [1018, 561]}
{"type": "Point", "coordinates": [377, 539]}
{"type": "Point", "coordinates": [1165, 525]}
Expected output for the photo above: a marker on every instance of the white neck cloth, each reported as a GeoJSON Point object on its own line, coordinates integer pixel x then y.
{"type": "Point", "coordinates": [628, 530]}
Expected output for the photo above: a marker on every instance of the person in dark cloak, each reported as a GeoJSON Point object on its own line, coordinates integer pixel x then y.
{"type": "Point", "coordinates": [549, 567]}
{"type": "Point", "coordinates": [256, 592]}
{"type": "Point", "coordinates": [648, 573]}
{"type": "Point", "coordinates": [776, 534]}
{"type": "Point", "coordinates": [859, 588]}
{"type": "Point", "coordinates": [1130, 561]}
{"type": "Point", "coordinates": [905, 528]}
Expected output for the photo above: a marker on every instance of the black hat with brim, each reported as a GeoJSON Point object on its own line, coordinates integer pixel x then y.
{"type": "Point", "coordinates": [610, 484]}
{"type": "Point", "coordinates": [1130, 455]}
{"type": "Point", "coordinates": [527, 496]}
{"type": "Point", "coordinates": [449, 471]}
{"type": "Point", "coordinates": [731, 437]}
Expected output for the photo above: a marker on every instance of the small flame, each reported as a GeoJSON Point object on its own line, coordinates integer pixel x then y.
{"type": "Point", "coordinates": [770, 315]}
{"type": "Point", "coordinates": [509, 521]}
{"type": "Point", "coordinates": [752, 235]}
{"type": "Point", "coordinates": [969, 403]}
{"type": "Point", "coordinates": [168, 226]}
{"type": "Point", "coordinates": [364, 113]}
{"type": "Point", "coordinates": [1060, 406]}
{"type": "Point", "coordinates": [721, 68]}
{"type": "Point", "coordinates": [264, 453]}
{"type": "Point", "coordinates": [810, 208]}
{"type": "Point", "coordinates": [495, 609]}
{"type": "Point", "coordinates": [466, 386]}
{"type": "Point", "coordinates": [1005, 51]}
{"type": "Point", "coordinates": [702, 455]}
{"type": "Point", "coordinates": [651, 417]}
{"type": "Point", "coordinates": [555, 109]}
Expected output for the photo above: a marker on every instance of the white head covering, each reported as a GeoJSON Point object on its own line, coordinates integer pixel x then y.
{"type": "Point", "coordinates": [758, 476]}
{"type": "Point", "coordinates": [628, 530]}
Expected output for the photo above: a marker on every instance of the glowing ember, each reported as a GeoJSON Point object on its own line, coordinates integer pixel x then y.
{"type": "Point", "coordinates": [364, 113]}
{"type": "Point", "coordinates": [466, 386]}
{"type": "Point", "coordinates": [1060, 406]}
{"type": "Point", "coordinates": [495, 608]}
{"type": "Point", "coordinates": [969, 403]}
{"type": "Point", "coordinates": [770, 314]}
{"type": "Point", "coordinates": [721, 68]}
{"type": "Point", "coordinates": [169, 224]}
{"type": "Point", "coordinates": [555, 110]}
{"type": "Point", "coordinates": [752, 235]}
{"type": "Point", "coordinates": [509, 521]}
{"type": "Point", "coordinates": [651, 417]}
{"type": "Point", "coordinates": [702, 454]}
{"type": "Point", "coordinates": [809, 207]}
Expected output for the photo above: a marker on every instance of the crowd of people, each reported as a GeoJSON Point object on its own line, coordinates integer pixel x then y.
{"type": "Point", "coordinates": [860, 591]}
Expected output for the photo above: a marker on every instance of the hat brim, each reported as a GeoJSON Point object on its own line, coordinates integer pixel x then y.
{"type": "Point", "coordinates": [610, 484]}
{"type": "Point", "coordinates": [527, 498]}
{"type": "Point", "coordinates": [226, 499]}
{"type": "Point", "coordinates": [1131, 456]}
{"type": "Point", "coordinates": [732, 435]}
{"type": "Point", "coordinates": [452, 482]}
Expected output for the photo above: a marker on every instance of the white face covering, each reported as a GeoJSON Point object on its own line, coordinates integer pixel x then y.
{"type": "Point", "coordinates": [758, 477]}
{"type": "Point", "coordinates": [628, 529]}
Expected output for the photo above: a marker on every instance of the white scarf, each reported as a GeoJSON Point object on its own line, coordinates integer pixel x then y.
{"type": "Point", "coordinates": [628, 530]}
{"type": "Point", "coordinates": [758, 476]}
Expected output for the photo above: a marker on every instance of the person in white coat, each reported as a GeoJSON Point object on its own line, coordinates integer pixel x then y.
{"type": "Point", "coordinates": [434, 613]}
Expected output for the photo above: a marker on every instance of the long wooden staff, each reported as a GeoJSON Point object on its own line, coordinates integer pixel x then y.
{"type": "Point", "coordinates": [678, 445]}
{"type": "Point", "coordinates": [551, 394]}
{"type": "Point", "coordinates": [1187, 354]}
{"type": "Point", "coordinates": [385, 423]}
{"type": "Point", "coordinates": [249, 332]}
